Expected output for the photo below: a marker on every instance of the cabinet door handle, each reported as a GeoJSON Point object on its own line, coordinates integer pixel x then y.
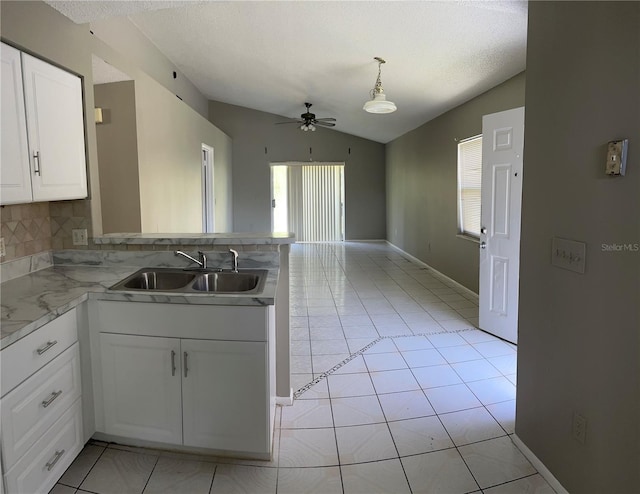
{"type": "Point", "coordinates": [54, 395]}
{"type": "Point", "coordinates": [173, 363]}
{"type": "Point", "coordinates": [46, 347]}
{"type": "Point", "coordinates": [186, 365]}
{"type": "Point", "coordinates": [36, 162]}
{"type": "Point", "coordinates": [54, 460]}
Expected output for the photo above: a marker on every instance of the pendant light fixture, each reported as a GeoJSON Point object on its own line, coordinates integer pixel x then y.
{"type": "Point", "coordinates": [378, 102]}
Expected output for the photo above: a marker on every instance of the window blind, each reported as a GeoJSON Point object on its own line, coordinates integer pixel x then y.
{"type": "Point", "coordinates": [469, 185]}
{"type": "Point", "coordinates": [315, 202]}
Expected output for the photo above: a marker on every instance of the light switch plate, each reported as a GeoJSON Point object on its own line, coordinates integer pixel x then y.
{"type": "Point", "coordinates": [568, 254]}
{"type": "Point", "coordinates": [79, 236]}
{"type": "Point", "coordinates": [617, 157]}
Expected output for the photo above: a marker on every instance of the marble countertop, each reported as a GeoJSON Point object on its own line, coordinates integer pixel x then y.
{"type": "Point", "coordinates": [30, 301]}
{"type": "Point", "coordinates": [195, 238]}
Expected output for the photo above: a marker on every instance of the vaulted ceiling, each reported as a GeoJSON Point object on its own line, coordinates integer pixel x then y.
{"type": "Point", "coordinates": [275, 55]}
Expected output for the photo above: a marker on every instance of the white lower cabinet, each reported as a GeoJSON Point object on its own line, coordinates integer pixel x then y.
{"type": "Point", "coordinates": [46, 461]}
{"type": "Point", "coordinates": [224, 395]}
{"type": "Point", "coordinates": [194, 392]}
{"type": "Point", "coordinates": [41, 406]}
{"type": "Point", "coordinates": [141, 387]}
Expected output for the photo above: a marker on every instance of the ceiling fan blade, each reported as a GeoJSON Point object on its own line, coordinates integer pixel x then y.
{"type": "Point", "coordinates": [325, 124]}
{"type": "Point", "coordinates": [289, 122]}
{"type": "Point", "coordinates": [329, 119]}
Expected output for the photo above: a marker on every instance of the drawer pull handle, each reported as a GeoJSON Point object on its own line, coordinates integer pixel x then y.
{"type": "Point", "coordinates": [173, 362]}
{"type": "Point", "coordinates": [54, 395]}
{"type": "Point", "coordinates": [49, 344]}
{"type": "Point", "coordinates": [55, 459]}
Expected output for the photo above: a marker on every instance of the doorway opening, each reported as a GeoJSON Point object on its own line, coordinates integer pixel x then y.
{"type": "Point", "coordinates": [208, 199]}
{"type": "Point", "coordinates": [308, 200]}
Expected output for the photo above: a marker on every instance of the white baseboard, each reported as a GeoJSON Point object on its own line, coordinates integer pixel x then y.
{"type": "Point", "coordinates": [285, 401]}
{"type": "Point", "coordinates": [542, 470]}
{"type": "Point", "coordinates": [458, 286]}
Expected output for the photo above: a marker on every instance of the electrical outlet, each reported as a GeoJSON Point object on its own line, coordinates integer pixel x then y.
{"type": "Point", "coordinates": [3, 250]}
{"type": "Point", "coordinates": [568, 254]}
{"type": "Point", "coordinates": [79, 236]}
{"type": "Point", "coordinates": [579, 428]}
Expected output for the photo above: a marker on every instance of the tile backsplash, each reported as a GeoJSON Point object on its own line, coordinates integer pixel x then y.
{"type": "Point", "coordinates": [67, 216]}
{"type": "Point", "coordinates": [26, 229]}
{"type": "Point", "coordinates": [33, 228]}
{"type": "Point", "coordinates": [36, 227]}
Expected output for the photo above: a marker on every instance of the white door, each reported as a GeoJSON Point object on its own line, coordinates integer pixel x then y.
{"type": "Point", "coordinates": [502, 152]}
{"type": "Point", "coordinates": [208, 200]}
{"type": "Point", "coordinates": [141, 387]}
{"type": "Point", "coordinates": [15, 175]}
{"type": "Point", "coordinates": [279, 199]}
{"type": "Point", "coordinates": [54, 107]}
{"type": "Point", "coordinates": [225, 395]}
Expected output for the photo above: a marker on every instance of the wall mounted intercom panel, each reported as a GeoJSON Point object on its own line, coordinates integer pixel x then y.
{"type": "Point", "coordinates": [617, 157]}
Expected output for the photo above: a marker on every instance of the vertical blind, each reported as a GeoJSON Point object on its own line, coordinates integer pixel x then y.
{"type": "Point", "coordinates": [469, 185]}
{"type": "Point", "coordinates": [315, 202]}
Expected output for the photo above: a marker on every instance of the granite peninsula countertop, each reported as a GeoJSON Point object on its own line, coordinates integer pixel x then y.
{"type": "Point", "coordinates": [195, 239]}
{"type": "Point", "coordinates": [30, 301]}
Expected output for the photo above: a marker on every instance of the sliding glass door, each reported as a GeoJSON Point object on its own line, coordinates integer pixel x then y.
{"type": "Point", "coordinates": [311, 198]}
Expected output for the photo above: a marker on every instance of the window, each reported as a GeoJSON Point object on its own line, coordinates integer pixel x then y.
{"type": "Point", "coordinates": [469, 181]}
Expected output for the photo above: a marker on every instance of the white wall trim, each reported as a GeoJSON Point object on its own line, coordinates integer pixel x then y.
{"type": "Point", "coordinates": [285, 401]}
{"type": "Point", "coordinates": [449, 281]}
{"type": "Point", "coordinates": [370, 240]}
{"type": "Point", "coordinates": [542, 470]}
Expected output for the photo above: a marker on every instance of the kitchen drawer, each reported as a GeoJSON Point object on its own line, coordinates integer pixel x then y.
{"type": "Point", "coordinates": [31, 408]}
{"type": "Point", "coordinates": [41, 467]}
{"type": "Point", "coordinates": [207, 322]}
{"type": "Point", "coordinates": [27, 355]}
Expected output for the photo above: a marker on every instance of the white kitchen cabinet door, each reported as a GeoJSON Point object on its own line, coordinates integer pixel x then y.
{"type": "Point", "coordinates": [15, 175]}
{"type": "Point", "coordinates": [55, 125]}
{"type": "Point", "coordinates": [141, 387]}
{"type": "Point", "coordinates": [225, 395]}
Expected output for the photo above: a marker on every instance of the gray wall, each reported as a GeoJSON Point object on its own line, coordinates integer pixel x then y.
{"type": "Point", "coordinates": [118, 157]}
{"type": "Point", "coordinates": [422, 184]}
{"type": "Point", "coordinates": [124, 37]}
{"type": "Point", "coordinates": [252, 131]}
{"type": "Point", "coordinates": [579, 334]}
{"type": "Point", "coordinates": [170, 138]}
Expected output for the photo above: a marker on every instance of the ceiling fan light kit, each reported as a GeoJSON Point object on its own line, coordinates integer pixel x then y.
{"type": "Point", "coordinates": [309, 122]}
{"type": "Point", "coordinates": [378, 102]}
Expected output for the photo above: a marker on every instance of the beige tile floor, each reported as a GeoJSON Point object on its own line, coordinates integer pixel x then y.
{"type": "Point", "coordinates": [407, 396]}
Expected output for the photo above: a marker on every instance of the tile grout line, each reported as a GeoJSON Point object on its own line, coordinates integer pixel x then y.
{"type": "Point", "coordinates": [360, 352]}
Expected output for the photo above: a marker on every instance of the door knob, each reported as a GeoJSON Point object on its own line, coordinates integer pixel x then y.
{"type": "Point", "coordinates": [483, 245]}
{"type": "Point", "coordinates": [483, 230]}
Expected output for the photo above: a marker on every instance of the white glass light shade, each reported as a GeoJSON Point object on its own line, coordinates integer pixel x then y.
{"type": "Point", "coordinates": [379, 104]}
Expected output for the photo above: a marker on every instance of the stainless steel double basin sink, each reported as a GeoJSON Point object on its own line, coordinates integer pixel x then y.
{"type": "Point", "coordinates": [245, 281]}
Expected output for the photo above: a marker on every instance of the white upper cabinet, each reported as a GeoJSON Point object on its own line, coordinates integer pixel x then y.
{"type": "Point", "coordinates": [15, 174]}
{"type": "Point", "coordinates": [53, 100]}
{"type": "Point", "coordinates": [55, 165]}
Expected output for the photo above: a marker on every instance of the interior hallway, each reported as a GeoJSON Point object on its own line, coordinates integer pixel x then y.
{"type": "Point", "coordinates": [396, 392]}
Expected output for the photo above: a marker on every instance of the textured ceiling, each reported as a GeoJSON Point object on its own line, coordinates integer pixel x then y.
{"type": "Point", "coordinates": [274, 56]}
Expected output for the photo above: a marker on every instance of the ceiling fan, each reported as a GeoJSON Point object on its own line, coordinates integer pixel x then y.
{"type": "Point", "coordinates": [308, 121]}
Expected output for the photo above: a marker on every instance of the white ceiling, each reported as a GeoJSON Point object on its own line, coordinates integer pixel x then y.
{"type": "Point", "coordinates": [273, 56]}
